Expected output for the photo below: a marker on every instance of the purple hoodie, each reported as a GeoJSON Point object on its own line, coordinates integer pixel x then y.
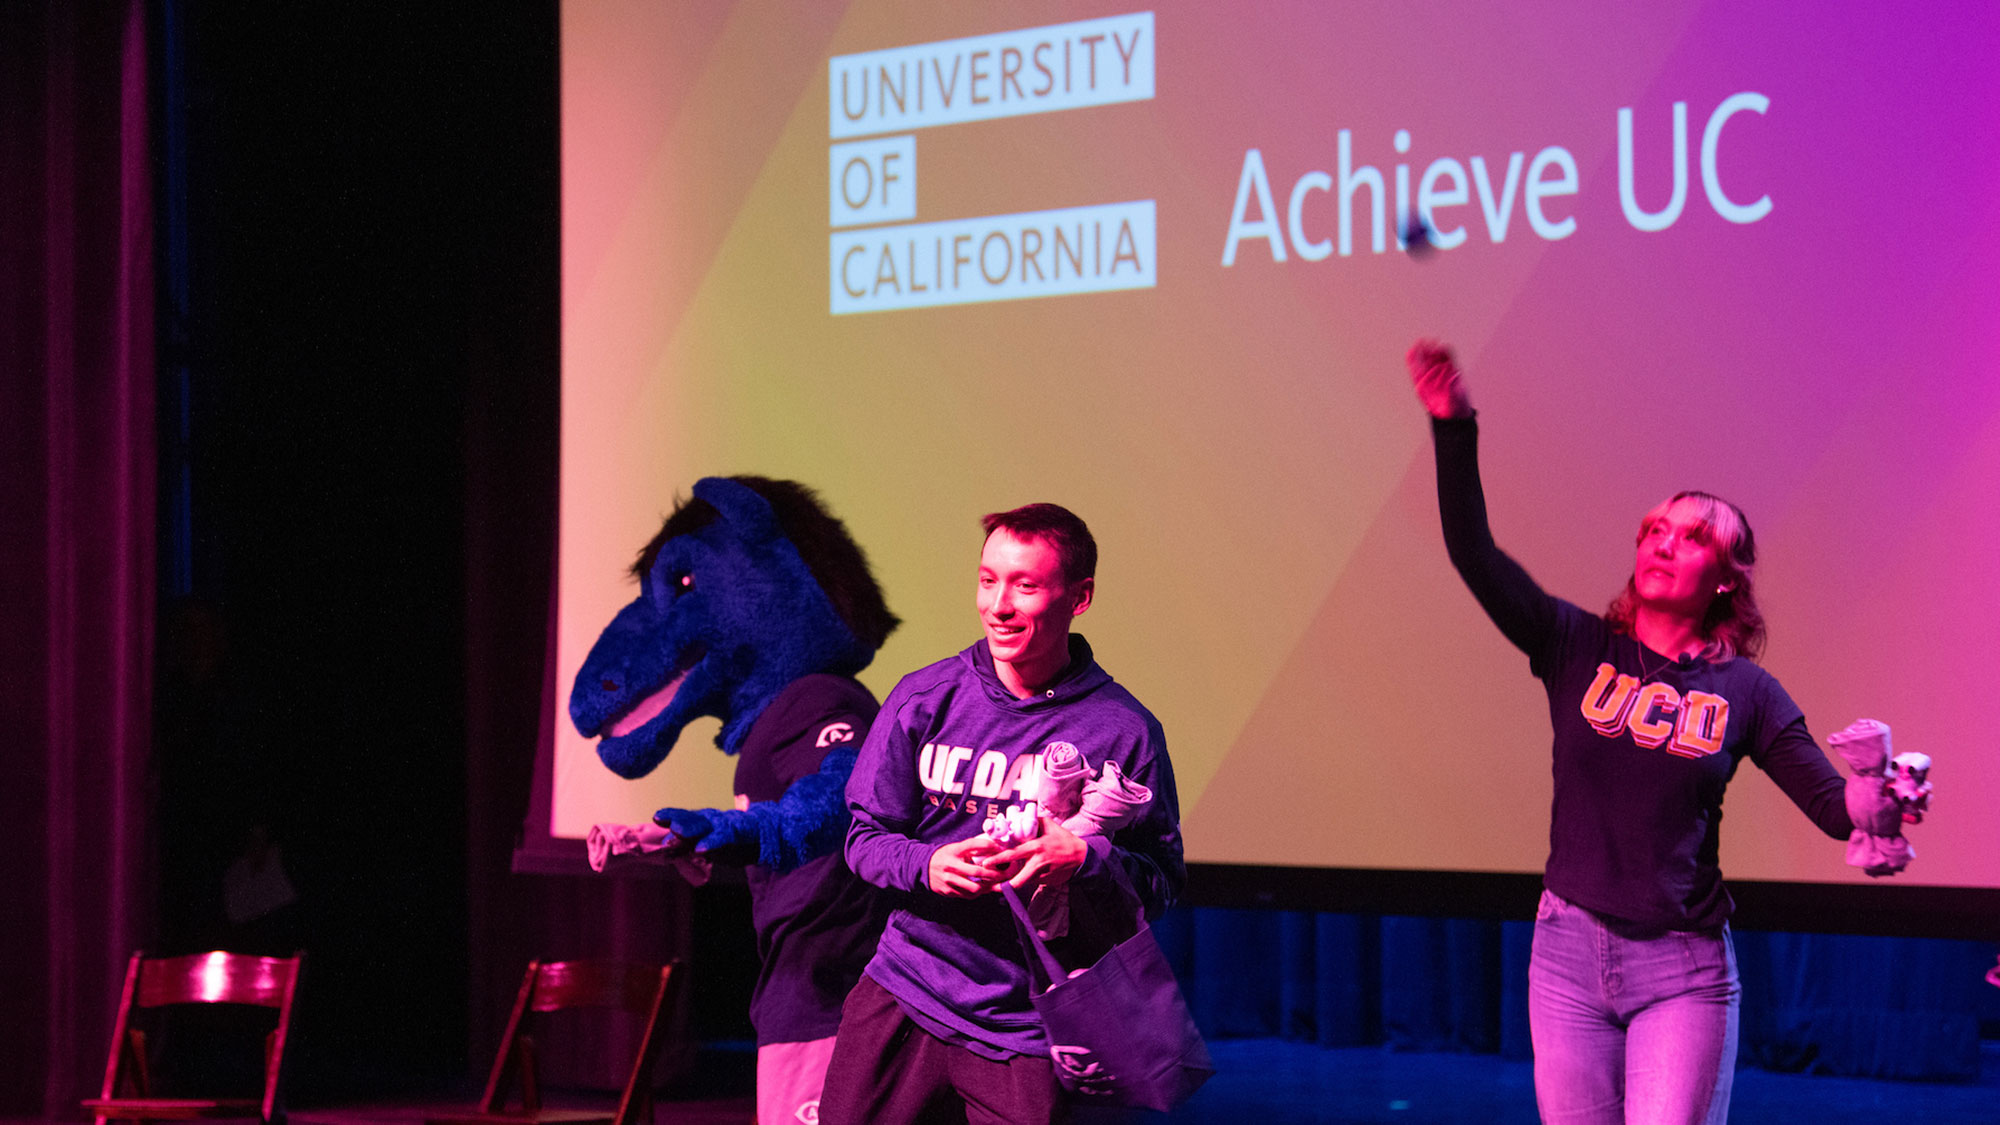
{"type": "Point", "coordinates": [952, 746]}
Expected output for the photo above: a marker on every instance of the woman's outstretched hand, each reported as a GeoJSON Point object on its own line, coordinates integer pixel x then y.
{"type": "Point", "coordinates": [1435, 375]}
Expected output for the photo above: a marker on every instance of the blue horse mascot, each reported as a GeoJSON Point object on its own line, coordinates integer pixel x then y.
{"type": "Point", "coordinates": [757, 607]}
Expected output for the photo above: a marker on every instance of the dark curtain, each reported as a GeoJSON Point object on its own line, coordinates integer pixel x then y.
{"type": "Point", "coordinates": [76, 534]}
{"type": "Point", "coordinates": [1876, 1007]}
{"type": "Point", "coordinates": [1873, 1007]}
{"type": "Point", "coordinates": [510, 286]}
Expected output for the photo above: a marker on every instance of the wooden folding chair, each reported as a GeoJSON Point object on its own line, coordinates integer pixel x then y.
{"type": "Point", "coordinates": [552, 986]}
{"type": "Point", "coordinates": [202, 978]}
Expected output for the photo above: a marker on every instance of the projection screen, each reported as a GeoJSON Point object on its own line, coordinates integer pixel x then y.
{"type": "Point", "coordinates": [941, 259]}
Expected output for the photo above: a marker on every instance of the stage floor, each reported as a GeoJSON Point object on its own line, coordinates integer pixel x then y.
{"type": "Point", "coordinates": [1275, 1082]}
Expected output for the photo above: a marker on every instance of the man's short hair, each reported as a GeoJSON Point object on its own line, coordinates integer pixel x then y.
{"type": "Point", "coordinates": [1076, 549]}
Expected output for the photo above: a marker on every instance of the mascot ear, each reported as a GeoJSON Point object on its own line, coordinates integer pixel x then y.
{"type": "Point", "coordinates": [749, 514]}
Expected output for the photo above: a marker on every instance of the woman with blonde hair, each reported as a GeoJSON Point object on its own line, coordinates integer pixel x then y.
{"type": "Point", "coordinates": [1632, 987]}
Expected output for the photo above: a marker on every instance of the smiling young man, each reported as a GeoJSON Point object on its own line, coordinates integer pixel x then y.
{"type": "Point", "coordinates": [941, 1018]}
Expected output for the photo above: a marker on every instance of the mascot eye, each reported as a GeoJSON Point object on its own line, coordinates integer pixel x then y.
{"type": "Point", "coordinates": [682, 584]}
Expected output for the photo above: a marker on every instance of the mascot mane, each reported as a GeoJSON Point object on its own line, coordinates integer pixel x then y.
{"type": "Point", "coordinates": [835, 560]}
{"type": "Point", "coordinates": [748, 585]}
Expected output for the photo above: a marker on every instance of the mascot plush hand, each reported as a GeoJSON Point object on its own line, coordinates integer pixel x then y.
{"type": "Point", "coordinates": [729, 613]}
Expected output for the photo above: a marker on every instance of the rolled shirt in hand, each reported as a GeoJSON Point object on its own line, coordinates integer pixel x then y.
{"type": "Point", "coordinates": [608, 840]}
{"type": "Point", "coordinates": [1064, 772]}
{"type": "Point", "coordinates": [1874, 803]}
{"type": "Point", "coordinates": [1110, 802]}
{"type": "Point", "coordinates": [646, 842]}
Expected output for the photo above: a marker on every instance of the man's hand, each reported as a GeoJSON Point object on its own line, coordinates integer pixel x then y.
{"type": "Point", "coordinates": [964, 869]}
{"type": "Point", "coordinates": [1435, 375]}
{"type": "Point", "coordinates": [1048, 860]}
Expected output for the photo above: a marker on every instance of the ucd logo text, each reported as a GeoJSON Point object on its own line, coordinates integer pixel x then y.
{"type": "Point", "coordinates": [1691, 726]}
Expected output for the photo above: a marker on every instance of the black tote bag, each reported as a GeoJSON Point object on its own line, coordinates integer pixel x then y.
{"type": "Point", "coordinates": [1119, 1032]}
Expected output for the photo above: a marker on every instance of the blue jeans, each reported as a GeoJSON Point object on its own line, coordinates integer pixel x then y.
{"type": "Point", "coordinates": [1630, 1030]}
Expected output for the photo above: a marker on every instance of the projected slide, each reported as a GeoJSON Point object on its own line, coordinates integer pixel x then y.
{"type": "Point", "coordinates": [941, 259]}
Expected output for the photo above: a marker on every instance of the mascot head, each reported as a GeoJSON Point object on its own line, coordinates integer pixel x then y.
{"type": "Point", "coordinates": [748, 586]}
